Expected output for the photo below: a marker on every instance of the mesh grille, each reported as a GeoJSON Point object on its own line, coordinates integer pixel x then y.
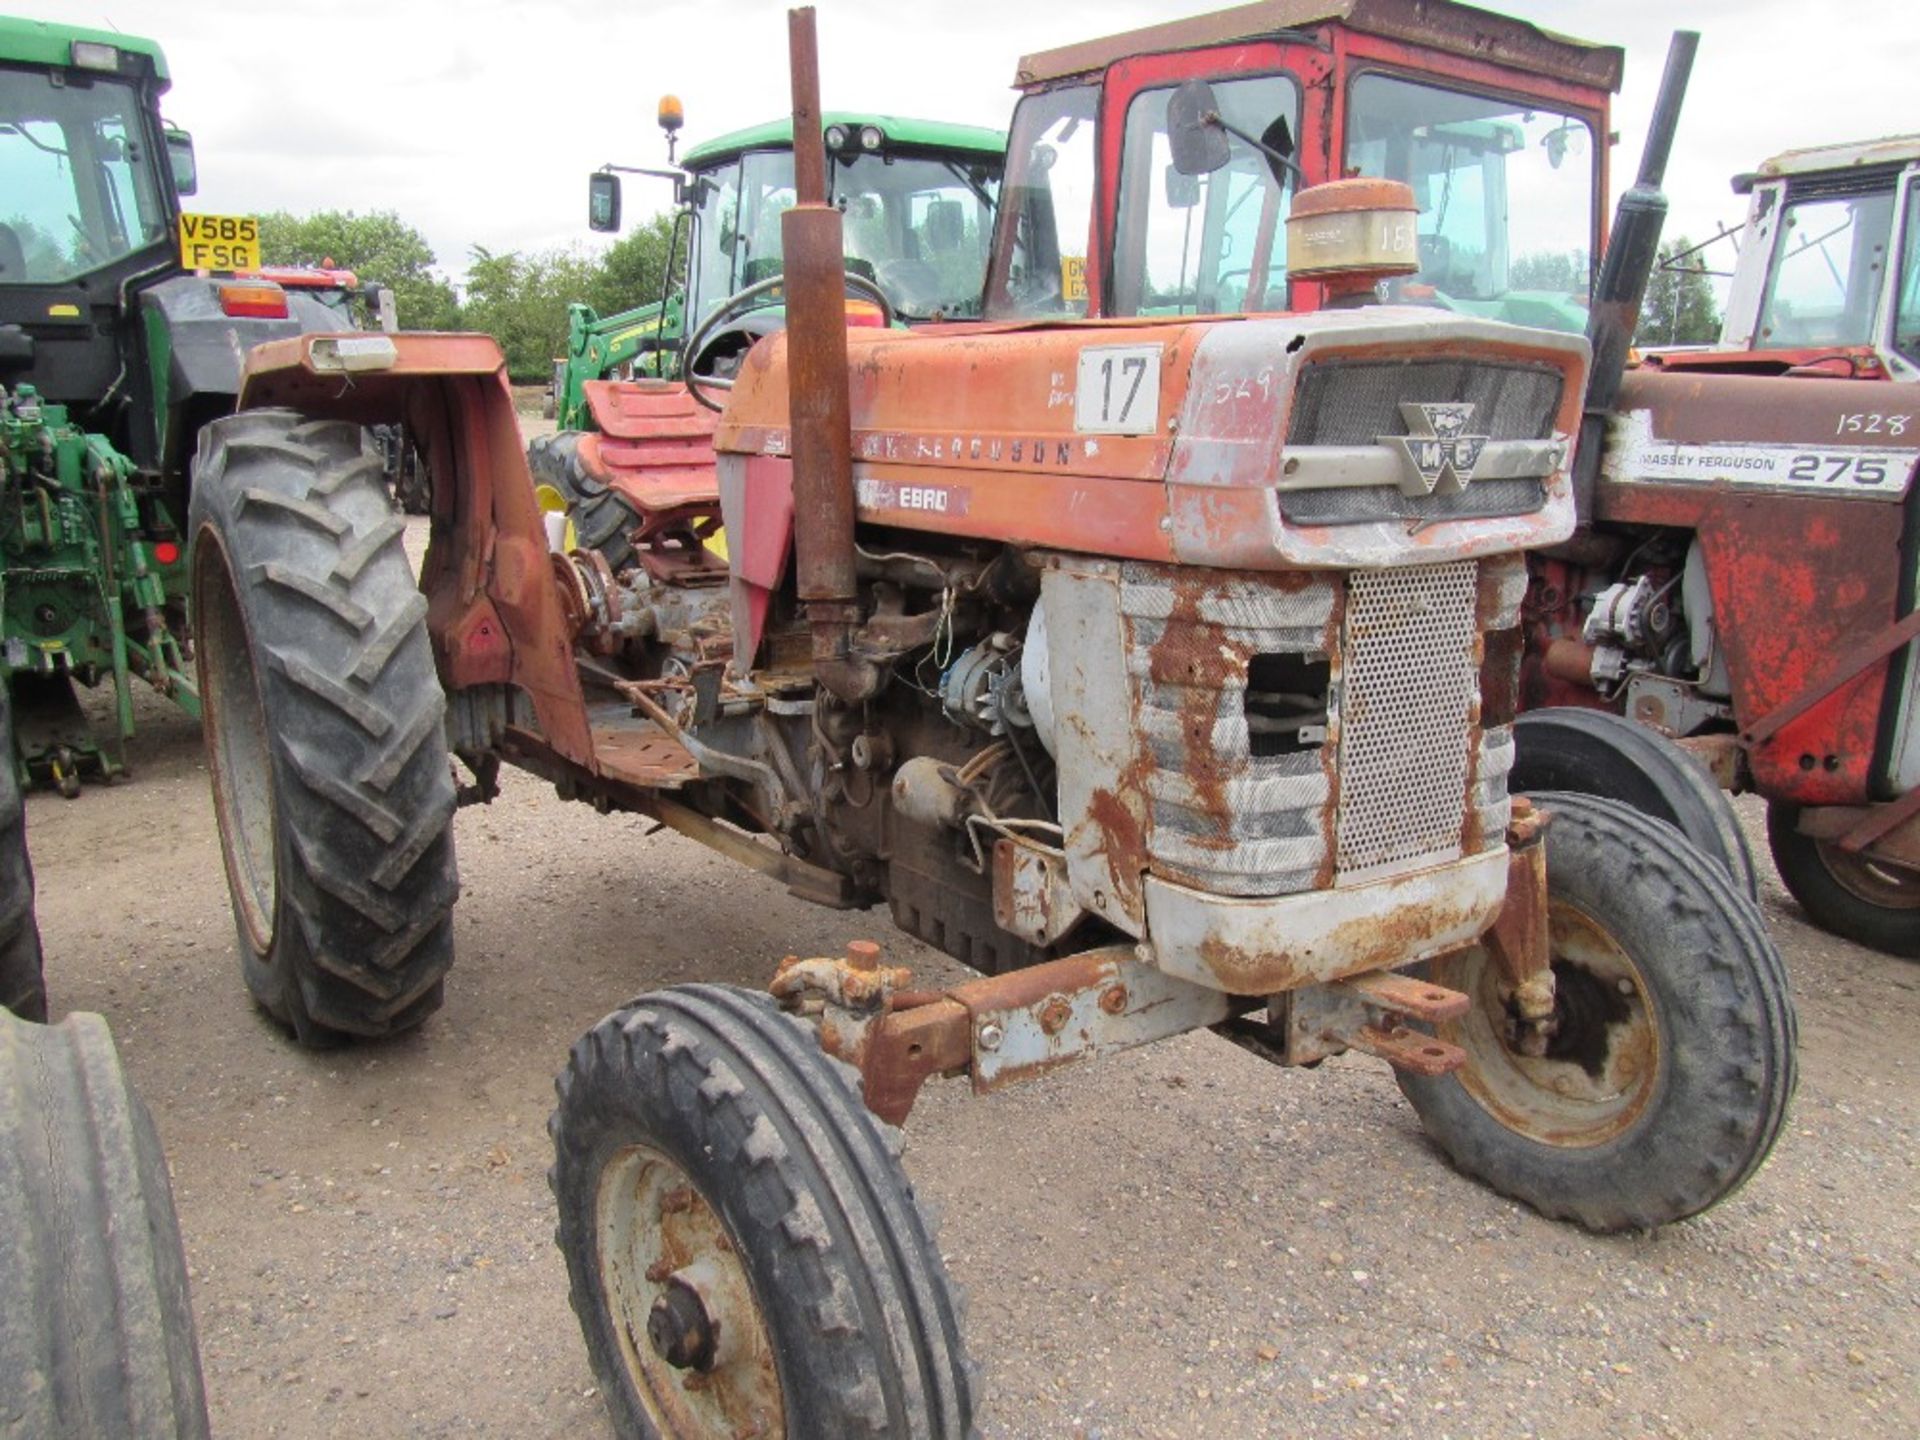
{"type": "Point", "coordinates": [1408, 684]}
{"type": "Point", "coordinates": [1355, 402]}
{"type": "Point", "coordinates": [1347, 505]}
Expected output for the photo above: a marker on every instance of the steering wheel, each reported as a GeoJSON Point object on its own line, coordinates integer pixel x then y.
{"type": "Point", "coordinates": [739, 303]}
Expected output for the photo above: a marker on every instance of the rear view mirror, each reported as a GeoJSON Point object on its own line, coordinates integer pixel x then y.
{"type": "Point", "coordinates": [1194, 132]}
{"type": "Point", "coordinates": [603, 202]}
{"type": "Point", "coordinates": [186, 174]}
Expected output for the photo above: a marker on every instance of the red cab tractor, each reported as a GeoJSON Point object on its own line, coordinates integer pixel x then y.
{"type": "Point", "coordinates": [1150, 655]}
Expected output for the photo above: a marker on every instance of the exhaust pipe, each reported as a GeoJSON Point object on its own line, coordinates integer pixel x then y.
{"type": "Point", "coordinates": [1632, 251]}
{"type": "Point", "coordinates": [818, 416]}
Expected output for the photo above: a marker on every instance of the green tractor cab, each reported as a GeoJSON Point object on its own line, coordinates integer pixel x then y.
{"type": "Point", "coordinates": [123, 324]}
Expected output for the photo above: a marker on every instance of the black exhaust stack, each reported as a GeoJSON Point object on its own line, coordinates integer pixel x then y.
{"type": "Point", "coordinates": [1633, 249]}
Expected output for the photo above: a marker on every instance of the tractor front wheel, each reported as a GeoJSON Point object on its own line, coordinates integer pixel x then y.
{"type": "Point", "coordinates": [23, 986]}
{"type": "Point", "coordinates": [1853, 896]}
{"type": "Point", "coordinates": [325, 742]}
{"type": "Point", "coordinates": [1666, 1075]}
{"type": "Point", "coordinates": [746, 1253]}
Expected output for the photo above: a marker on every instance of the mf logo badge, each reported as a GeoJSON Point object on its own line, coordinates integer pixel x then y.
{"type": "Point", "coordinates": [1440, 454]}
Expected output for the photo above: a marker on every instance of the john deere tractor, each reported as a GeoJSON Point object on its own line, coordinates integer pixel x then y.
{"type": "Point", "coordinates": [918, 199]}
{"type": "Point", "coordinates": [123, 325]}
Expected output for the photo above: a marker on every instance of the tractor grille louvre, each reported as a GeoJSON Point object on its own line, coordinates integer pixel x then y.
{"type": "Point", "coordinates": [1356, 402]}
{"type": "Point", "coordinates": [1405, 703]}
{"type": "Point", "coordinates": [1222, 819]}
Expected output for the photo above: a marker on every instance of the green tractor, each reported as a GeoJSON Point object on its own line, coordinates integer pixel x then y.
{"type": "Point", "coordinates": [123, 325]}
{"type": "Point", "coordinates": [917, 198]}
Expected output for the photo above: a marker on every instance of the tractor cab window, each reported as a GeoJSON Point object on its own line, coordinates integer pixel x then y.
{"type": "Point", "coordinates": [916, 225]}
{"type": "Point", "coordinates": [79, 184]}
{"type": "Point", "coordinates": [1046, 219]}
{"type": "Point", "coordinates": [1206, 244]}
{"type": "Point", "coordinates": [1829, 258]}
{"type": "Point", "coordinates": [1505, 195]}
{"type": "Point", "coordinates": [1906, 319]}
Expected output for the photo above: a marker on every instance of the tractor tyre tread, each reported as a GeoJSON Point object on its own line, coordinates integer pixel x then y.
{"type": "Point", "coordinates": [1596, 752]}
{"type": "Point", "coordinates": [843, 1258]}
{"type": "Point", "coordinates": [99, 1336]}
{"type": "Point", "coordinates": [602, 518]}
{"type": "Point", "coordinates": [1728, 1035]}
{"type": "Point", "coordinates": [23, 984]}
{"type": "Point", "coordinates": [362, 787]}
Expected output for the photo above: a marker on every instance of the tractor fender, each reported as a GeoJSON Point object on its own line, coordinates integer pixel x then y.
{"type": "Point", "coordinates": [494, 609]}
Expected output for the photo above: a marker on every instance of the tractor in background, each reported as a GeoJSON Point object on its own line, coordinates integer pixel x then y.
{"type": "Point", "coordinates": [1151, 645]}
{"type": "Point", "coordinates": [116, 347]}
{"type": "Point", "coordinates": [1743, 580]}
{"type": "Point", "coordinates": [1827, 281]}
{"type": "Point", "coordinates": [919, 198]}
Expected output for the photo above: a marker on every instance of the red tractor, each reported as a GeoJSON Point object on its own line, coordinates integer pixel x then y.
{"type": "Point", "coordinates": [1155, 657]}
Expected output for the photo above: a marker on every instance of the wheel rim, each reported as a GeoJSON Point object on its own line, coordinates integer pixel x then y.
{"type": "Point", "coordinates": [706, 1367]}
{"type": "Point", "coordinates": [1603, 1064]}
{"type": "Point", "coordinates": [237, 748]}
{"type": "Point", "coordinates": [1883, 886]}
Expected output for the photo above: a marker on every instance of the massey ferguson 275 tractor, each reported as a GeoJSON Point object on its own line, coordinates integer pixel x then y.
{"type": "Point", "coordinates": [1155, 658]}
{"type": "Point", "coordinates": [1744, 576]}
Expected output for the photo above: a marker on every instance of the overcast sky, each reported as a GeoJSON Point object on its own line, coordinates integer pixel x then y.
{"type": "Point", "coordinates": [479, 122]}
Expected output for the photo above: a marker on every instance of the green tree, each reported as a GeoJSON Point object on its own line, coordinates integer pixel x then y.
{"type": "Point", "coordinates": [377, 247]}
{"type": "Point", "coordinates": [632, 271]}
{"type": "Point", "coordinates": [521, 300]}
{"type": "Point", "coordinates": [1679, 308]}
{"type": "Point", "coordinates": [1565, 272]}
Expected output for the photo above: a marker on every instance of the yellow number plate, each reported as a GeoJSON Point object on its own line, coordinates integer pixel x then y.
{"type": "Point", "coordinates": [1073, 279]}
{"type": "Point", "coordinates": [219, 242]}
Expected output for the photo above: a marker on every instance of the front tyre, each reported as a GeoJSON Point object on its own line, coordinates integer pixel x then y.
{"type": "Point", "coordinates": [325, 743]}
{"type": "Point", "coordinates": [1667, 1080]}
{"type": "Point", "coordinates": [23, 986]}
{"type": "Point", "coordinates": [1857, 898]}
{"type": "Point", "coordinates": [746, 1253]}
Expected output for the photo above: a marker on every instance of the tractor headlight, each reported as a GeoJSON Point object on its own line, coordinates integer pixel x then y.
{"type": "Point", "coordinates": [93, 55]}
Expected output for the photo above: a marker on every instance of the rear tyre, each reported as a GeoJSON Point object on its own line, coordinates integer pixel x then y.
{"type": "Point", "coordinates": [23, 986]}
{"type": "Point", "coordinates": [325, 742]}
{"type": "Point", "coordinates": [744, 1247]}
{"type": "Point", "coordinates": [1667, 1082]}
{"type": "Point", "coordinates": [97, 1338]}
{"type": "Point", "coordinates": [1851, 896]}
{"type": "Point", "coordinates": [602, 520]}
{"type": "Point", "coordinates": [1595, 752]}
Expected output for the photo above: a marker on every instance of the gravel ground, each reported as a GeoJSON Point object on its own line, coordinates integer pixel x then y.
{"type": "Point", "coordinates": [1180, 1241]}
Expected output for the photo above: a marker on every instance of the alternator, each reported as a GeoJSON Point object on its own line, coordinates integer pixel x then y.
{"type": "Point", "coordinates": [982, 688]}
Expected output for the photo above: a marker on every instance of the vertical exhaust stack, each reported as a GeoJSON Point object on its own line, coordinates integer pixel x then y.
{"type": "Point", "coordinates": [1632, 251]}
{"type": "Point", "coordinates": [818, 413]}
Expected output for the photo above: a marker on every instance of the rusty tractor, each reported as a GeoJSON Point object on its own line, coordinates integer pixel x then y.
{"type": "Point", "coordinates": [1152, 656]}
{"type": "Point", "coordinates": [1743, 576]}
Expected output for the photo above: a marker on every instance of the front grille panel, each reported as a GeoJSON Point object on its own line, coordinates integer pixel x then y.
{"type": "Point", "coordinates": [1406, 699]}
{"type": "Point", "coordinates": [1355, 402]}
{"type": "Point", "coordinates": [1482, 500]}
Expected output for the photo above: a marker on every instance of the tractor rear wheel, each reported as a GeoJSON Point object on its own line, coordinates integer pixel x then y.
{"type": "Point", "coordinates": [1595, 752]}
{"type": "Point", "coordinates": [325, 742]}
{"type": "Point", "coordinates": [1852, 896]}
{"type": "Point", "coordinates": [1666, 1081]}
{"type": "Point", "coordinates": [97, 1336]}
{"type": "Point", "coordinates": [23, 985]}
{"type": "Point", "coordinates": [746, 1253]}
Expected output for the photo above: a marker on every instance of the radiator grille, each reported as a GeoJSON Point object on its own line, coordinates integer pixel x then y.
{"type": "Point", "coordinates": [1482, 500]}
{"type": "Point", "coordinates": [1355, 402]}
{"type": "Point", "coordinates": [1405, 699]}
